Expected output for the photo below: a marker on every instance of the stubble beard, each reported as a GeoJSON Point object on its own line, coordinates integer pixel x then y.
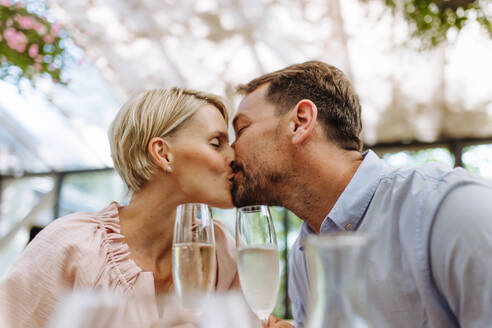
{"type": "Point", "coordinates": [259, 186]}
{"type": "Point", "coordinates": [257, 189]}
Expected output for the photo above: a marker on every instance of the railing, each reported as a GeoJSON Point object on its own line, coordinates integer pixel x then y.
{"type": "Point", "coordinates": [46, 200]}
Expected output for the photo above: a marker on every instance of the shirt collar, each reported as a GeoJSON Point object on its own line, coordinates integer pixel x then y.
{"type": "Point", "coordinates": [354, 200]}
{"type": "Point", "coordinates": [350, 207]}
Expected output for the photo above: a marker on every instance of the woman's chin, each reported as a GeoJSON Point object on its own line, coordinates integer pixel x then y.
{"type": "Point", "coordinates": [223, 203]}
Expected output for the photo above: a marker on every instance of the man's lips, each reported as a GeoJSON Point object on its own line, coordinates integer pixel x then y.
{"type": "Point", "coordinates": [231, 177]}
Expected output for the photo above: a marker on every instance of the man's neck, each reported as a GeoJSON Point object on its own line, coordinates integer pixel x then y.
{"type": "Point", "coordinates": [322, 178]}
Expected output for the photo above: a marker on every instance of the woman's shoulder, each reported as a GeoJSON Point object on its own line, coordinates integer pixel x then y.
{"type": "Point", "coordinates": [88, 243]}
{"type": "Point", "coordinates": [78, 227]}
{"type": "Point", "coordinates": [61, 257]}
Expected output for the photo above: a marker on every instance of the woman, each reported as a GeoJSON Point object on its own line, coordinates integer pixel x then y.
{"type": "Point", "coordinates": [169, 147]}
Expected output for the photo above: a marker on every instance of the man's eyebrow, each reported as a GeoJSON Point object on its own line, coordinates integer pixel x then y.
{"type": "Point", "coordinates": [237, 118]}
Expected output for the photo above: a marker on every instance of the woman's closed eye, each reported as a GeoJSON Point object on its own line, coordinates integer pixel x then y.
{"type": "Point", "coordinates": [215, 142]}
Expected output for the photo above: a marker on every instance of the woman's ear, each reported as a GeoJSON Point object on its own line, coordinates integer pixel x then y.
{"type": "Point", "coordinates": [302, 121]}
{"type": "Point", "coordinates": [160, 150]}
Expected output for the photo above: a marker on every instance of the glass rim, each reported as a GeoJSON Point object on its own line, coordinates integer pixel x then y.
{"type": "Point", "coordinates": [251, 208]}
{"type": "Point", "coordinates": [193, 204]}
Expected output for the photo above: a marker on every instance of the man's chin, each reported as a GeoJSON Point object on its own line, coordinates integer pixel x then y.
{"type": "Point", "coordinates": [248, 192]}
{"type": "Point", "coordinates": [239, 203]}
{"type": "Point", "coordinates": [236, 195]}
{"type": "Point", "coordinates": [237, 199]}
{"type": "Point", "coordinates": [242, 198]}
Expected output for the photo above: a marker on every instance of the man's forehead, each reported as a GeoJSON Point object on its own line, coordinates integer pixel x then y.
{"type": "Point", "coordinates": [256, 96]}
{"type": "Point", "coordinates": [252, 104]}
{"type": "Point", "coordinates": [239, 117]}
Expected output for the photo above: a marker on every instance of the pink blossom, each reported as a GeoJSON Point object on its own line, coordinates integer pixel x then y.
{"type": "Point", "coordinates": [5, 3]}
{"type": "Point", "coordinates": [39, 59]}
{"type": "Point", "coordinates": [9, 33]}
{"type": "Point", "coordinates": [40, 28]}
{"type": "Point", "coordinates": [55, 29]}
{"type": "Point", "coordinates": [15, 40]}
{"type": "Point", "coordinates": [37, 67]}
{"type": "Point", "coordinates": [26, 22]}
{"type": "Point", "coordinates": [33, 51]}
{"type": "Point", "coordinates": [49, 38]}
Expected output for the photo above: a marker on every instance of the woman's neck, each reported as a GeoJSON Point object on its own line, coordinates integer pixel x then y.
{"type": "Point", "coordinates": [148, 225]}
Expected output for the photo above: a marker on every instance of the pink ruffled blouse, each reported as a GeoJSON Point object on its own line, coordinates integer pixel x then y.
{"type": "Point", "coordinates": [86, 250]}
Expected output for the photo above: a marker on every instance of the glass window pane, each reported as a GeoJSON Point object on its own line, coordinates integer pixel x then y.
{"type": "Point", "coordinates": [90, 191]}
{"type": "Point", "coordinates": [478, 159]}
{"type": "Point", "coordinates": [12, 249]}
{"type": "Point", "coordinates": [226, 216]}
{"type": "Point", "coordinates": [419, 157]}
{"type": "Point", "coordinates": [25, 202]}
{"type": "Point", "coordinates": [19, 196]}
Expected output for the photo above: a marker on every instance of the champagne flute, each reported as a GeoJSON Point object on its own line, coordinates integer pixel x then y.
{"type": "Point", "coordinates": [194, 261]}
{"type": "Point", "coordinates": [258, 259]}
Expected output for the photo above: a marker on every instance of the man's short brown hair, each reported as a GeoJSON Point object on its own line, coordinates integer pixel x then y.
{"type": "Point", "coordinates": [327, 87]}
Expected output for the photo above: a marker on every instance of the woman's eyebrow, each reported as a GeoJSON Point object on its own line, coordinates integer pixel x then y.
{"type": "Point", "coordinates": [220, 134]}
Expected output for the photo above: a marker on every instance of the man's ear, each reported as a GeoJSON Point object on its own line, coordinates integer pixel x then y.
{"type": "Point", "coordinates": [160, 150]}
{"type": "Point", "coordinates": [302, 121]}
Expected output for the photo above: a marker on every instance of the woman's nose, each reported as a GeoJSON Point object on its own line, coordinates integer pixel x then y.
{"type": "Point", "coordinates": [230, 155]}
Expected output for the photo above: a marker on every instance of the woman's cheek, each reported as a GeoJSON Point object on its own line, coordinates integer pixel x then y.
{"type": "Point", "coordinates": [217, 163]}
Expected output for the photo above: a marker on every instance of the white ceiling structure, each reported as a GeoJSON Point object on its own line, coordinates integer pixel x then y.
{"type": "Point", "coordinates": [213, 45]}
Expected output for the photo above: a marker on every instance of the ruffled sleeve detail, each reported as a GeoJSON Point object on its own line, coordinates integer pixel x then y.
{"type": "Point", "coordinates": [118, 270]}
{"type": "Point", "coordinates": [123, 270]}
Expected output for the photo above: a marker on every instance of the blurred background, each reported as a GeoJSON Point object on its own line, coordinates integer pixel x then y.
{"type": "Point", "coordinates": [423, 70]}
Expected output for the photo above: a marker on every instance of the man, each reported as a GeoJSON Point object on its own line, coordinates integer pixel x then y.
{"type": "Point", "coordinates": [298, 146]}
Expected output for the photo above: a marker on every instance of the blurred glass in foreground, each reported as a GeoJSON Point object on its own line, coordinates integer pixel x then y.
{"type": "Point", "coordinates": [97, 309]}
{"type": "Point", "coordinates": [337, 265]}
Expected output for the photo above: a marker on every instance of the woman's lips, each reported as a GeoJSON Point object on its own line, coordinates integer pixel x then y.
{"type": "Point", "coordinates": [230, 178]}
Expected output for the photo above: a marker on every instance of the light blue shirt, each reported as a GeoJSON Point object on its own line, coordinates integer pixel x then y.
{"type": "Point", "coordinates": [430, 263]}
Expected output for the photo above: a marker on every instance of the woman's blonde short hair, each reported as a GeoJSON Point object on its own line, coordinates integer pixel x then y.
{"type": "Point", "coordinates": [153, 113]}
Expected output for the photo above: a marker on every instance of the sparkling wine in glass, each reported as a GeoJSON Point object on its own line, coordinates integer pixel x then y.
{"type": "Point", "coordinates": [258, 259]}
{"type": "Point", "coordinates": [194, 261]}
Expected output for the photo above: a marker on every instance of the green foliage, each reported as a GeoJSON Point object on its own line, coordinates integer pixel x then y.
{"type": "Point", "coordinates": [430, 20]}
{"type": "Point", "coordinates": [292, 224]}
{"type": "Point", "coordinates": [30, 45]}
{"type": "Point", "coordinates": [476, 159]}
